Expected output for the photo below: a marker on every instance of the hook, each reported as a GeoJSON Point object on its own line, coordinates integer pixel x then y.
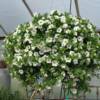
{"type": "Point", "coordinates": [27, 6]}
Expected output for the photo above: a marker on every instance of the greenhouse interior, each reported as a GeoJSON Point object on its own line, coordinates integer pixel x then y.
{"type": "Point", "coordinates": [49, 50]}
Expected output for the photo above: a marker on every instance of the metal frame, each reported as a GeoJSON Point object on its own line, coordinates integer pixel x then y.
{"type": "Point", "coordinates": [3, 29]}
{"type": "Point", "coordinates": [27, 6]}
{"type": "Point", "coordinates": [83, 96]}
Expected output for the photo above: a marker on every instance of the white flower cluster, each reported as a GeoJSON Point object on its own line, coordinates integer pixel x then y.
{"type": "Point", "coordinates": [53, 46]}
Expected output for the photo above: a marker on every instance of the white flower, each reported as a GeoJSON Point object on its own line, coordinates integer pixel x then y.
{"type": "Point", "coordinates": [75, 33]}
{"type": "Point", "coordinates": [88, 60]}
{"type": "Point", "coordinates": [65, 25]}
{"type": "Point", "coordinates": [30, 62]}
{"type": "Point", "coordinates": [75, 61]}
{"type": "Point", "coordinates": [80, 38]}
{"type": "Point", "coordinates": [49, 40]}
{"type": "Point", "coordinates": [48, 87]}
{"type": "Point", "coordinates": [55, 63]}
{"type": "Point", "coordinates": [35, 14]}
{"type": "Point", "coordinates": [40, 22]}
{"type": "Point", "coordinates": [33, 31]}
{"type": "Point", "coordinates": [35, 64]}
{"type": "Point", "coordinates": [59, 30]}
{"type": "Point", "coordinates": [72, 76]}
{"type": "Point", "coordinates": [74, 40]}
{"type": "Point", "coordinates": [50, 26]}
{"type": "Point", "coordinates": [48, 61]}
{"type": "Point", "coordinates": [63, 66]}
{"type": "Point", "coordinates": [47, 22]}
{"type": "Point", "coordinates": [45, 75]}
{"type": "Point", "coordinates": [79, 55]}
{"type": "Point", "coordinates": [67, 59]}
{"type": "Point", "coordinates": [71, 53]}
{"type": "Point", "coordinates": [36, 54]}
{"type": "Point", "coordinates": [18, 57]}
{"type": "Point", "coordinates": [87, 54]}
{"type": "Point", "coordinates": [30, 53]}
{"type": "Point", "coordinates": [56, 17]}
{"type": "Point", "coordinates": [69, 46]}
{"type": "Point", "coordinates": [14, 34]}
{"type": "Point", "coordinates": [89, 26]}
{"type": "Point", "coordinates": [21, 71]}
{"type": "Point", "coordinates": [74, 90]}
{"type": "Point", "coordinates": [29, 40]}
{"type": "Point", "coordinates": [44, 57]}
{"type": "Point", "coordinates": [56, 36]}
{"type": "Point", "coordinates": [40, 60]}
{"type": "Point", "coordinates": [76, 28]}
{"type": "Point", "coordinates": [41, 52]}
{"type": "Point", "coordinates": [64, 42]}
{"type": "Point", "coordinates": [76, 23]}
{"type": "Point", "coordinates": [33, 47]}
{"type": "Point", "coordinates": [26, 49]}
{"type": "Point", "coordinates": [67, 31]}
{"type": "Point", "coordinates": [63, 73]}
{"type": "Point", "coordinates": [63, 19]}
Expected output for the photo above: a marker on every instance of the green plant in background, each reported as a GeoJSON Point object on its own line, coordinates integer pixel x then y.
{"type": "Point", "coordinates": [6, 94]}
{"type": "Point", "coordinates": [54, 48]}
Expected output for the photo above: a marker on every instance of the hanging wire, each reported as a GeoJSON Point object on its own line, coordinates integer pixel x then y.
{"type": "Point", "coordinates": [27, 6]}
{"type": "Point", "coordinates": [77, 8]}
{"type": "Point", "coordinates": [70, 7]}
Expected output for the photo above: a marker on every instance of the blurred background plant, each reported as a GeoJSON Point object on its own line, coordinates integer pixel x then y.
{"type": "Point", "coordinates": [7, 94]}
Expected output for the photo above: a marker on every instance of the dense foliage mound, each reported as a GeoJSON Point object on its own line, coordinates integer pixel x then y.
{"type": "Point", "coordinates": [54, 48]}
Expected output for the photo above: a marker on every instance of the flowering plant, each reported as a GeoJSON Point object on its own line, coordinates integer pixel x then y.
{"type": "Point", "coordinates": [53, 48]}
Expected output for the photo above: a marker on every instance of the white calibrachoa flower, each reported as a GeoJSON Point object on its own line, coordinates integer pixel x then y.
{"type": "Point", "coordinates": [40, 60]}
{"type": "Point", "coordinates": [76, 28]}
{"type": "Point", "coordinates": [75, 61]}
{"type": "Point", "coordinates": [63, 19]}
{"type": "Point", "coordinates": [74, 40]}
{"type": "Point", "coordinates": [40, 22]}
{"type": "Point", "coordinates": [67, 59]}
{"type": "Point", "coordinates": [65, 25]}
{"type": "Point", "coordinates": [51, 26]}
{"type": "Point", "coordinates": [59, 30]}
{"type": "Point", "coordinates": [56, 17]}
{"type": "Point", "coordinates": [67, 31]}
{"type": "Point", "coordinates": [54, 46]}
{"type": "Point", "coordinates": [55, 63]}
{"type": "Point", "coordinates": [63, 66]}
{"type": "Point", "coordinates": [71, 53]}
{"type": "Point", "coordinates": [87, 54]}
{"type": "Point", "coordinates": [35, 14]}
{"type": "Point", "coordinates": [30, 53]}
{"type": "Point", "coordinates": [21, 71]}
{"type": "Point", "coordinates": [49, 40]}
{"type": "Point", "coordinates": [74, 90]}
{"type": "Point", "coordinates": [64, 42]}
{"type": "Point", "coordinates": [80, 38]}
{"type": "Point", "coordinates": [48, 61]}
{"type": "Point", "coordinates": [36, 54]}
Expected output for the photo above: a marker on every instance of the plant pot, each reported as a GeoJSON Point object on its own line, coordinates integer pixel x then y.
{"type": "Point", "coordinates": [5, 79]}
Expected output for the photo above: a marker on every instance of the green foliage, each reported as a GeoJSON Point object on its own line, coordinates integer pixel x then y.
{"type": "Point", "coordinates": [53, 48]}
{"type": "Point", "coordinates": [6, 94]}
